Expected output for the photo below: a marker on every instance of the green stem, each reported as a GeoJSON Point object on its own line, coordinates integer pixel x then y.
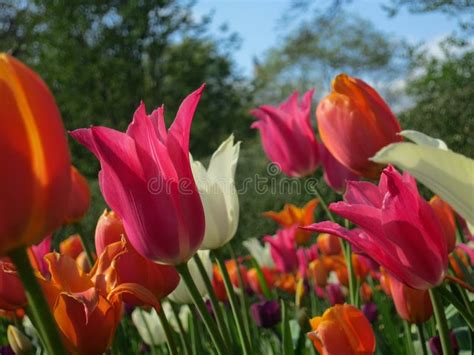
{"type": "Point", "coordinates": [168, 331]}
{"type": "Point", "coordinates": [85, 244]}
{"type": "Point", "coordinates": [450, 298]}
{"type": "Point", "coordinates": [148, 330]}
{"type": "Point", "coordinates": [233, 304]}
{"type": "Point", "coordinates": [323, 203]}
{"type": "Point", "coordinates": [261, 278]}
{"type": "Point", "coordinates": [286, 331]}
{"type": "Point", "coordinates": [243, 299]}
{"type": "Point", "coordinates": [194, 330]}
{"type": "Point", "coordinates": [408, 340]}
{"type": "Point", "coordinates": [203, 312]}
{"type": "Point", "coordinates": [214, 302]}
{"type": "Point", "coordinates": [421, 336]}
{"type": "Point", "coordinates": [37, 303]}
{"type": "Point", "coordinates": [182, 332]}
{"type": "Point", "coordinates": [441, 322]}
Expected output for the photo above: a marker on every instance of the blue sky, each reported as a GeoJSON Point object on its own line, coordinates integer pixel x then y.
{"type": "Point", "coordinates": [256, 23]}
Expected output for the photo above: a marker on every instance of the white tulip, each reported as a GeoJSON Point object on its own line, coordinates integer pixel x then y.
{"type": "Point", "coordinates": [216, 187]}
{"type": "Point", "coordinates": [261, 253]}
{"type": "Point", "coordinates": [149, 325]}
{"type": "Point", "coordinates": [181, 294]}
{"type": "Point", "coordinates": [450, 175]}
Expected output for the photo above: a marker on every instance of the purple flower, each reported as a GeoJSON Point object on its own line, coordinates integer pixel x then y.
{"type": "Point", "coordinates": [435, 345]}
{"type": "Point", "coordinates": [335, 295]}
{"type": "Point", "coordinates": [266, 314]}
{"type": "Point", "coordinates": [370, 311]}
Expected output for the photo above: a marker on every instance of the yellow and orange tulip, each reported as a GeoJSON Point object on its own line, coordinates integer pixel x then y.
{"type": "Point", "coordinates": [35, 187]}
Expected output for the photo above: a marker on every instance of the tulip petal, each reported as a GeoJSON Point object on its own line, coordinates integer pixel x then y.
{"type": "Point", "coordinates": [423, 139]}
{"type": "Point", "coordinates": [450, 175]}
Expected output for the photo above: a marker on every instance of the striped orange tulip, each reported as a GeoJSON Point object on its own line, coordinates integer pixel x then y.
{"type": "Point", "coordinates": [342, 329]}
{"type": "Point", "coordinates": [34, 154]}
{"type": "Point", "coordinates": [412, 305]}
{"type": "Point", "coordinates": [354, 123]}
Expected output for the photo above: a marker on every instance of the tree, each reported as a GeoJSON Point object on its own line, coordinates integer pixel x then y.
{"type": "Point", "coordinates": [102, 58]}
{"type": "Point", "coordinates": [320, 48]}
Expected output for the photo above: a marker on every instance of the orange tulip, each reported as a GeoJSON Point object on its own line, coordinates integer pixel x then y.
{"type": "Point", "coordinates": [286, 282]}
{"type": "Point", "coordinates": [86, 307]}
{"type": "Point", "coordinates": [292, 215]}
{"type": "Point", "coordinates": [365, 292]}
{"type": "Point", "coordinates": [218, 284]}
{"type": "Point", "coordinates": [318, 272]}
{"type": "Point", "coordinates": [329, 244]}
{"type": "Point", "coordinates": [385, 283]}
{"type": "Point", "coordinates": [412, 305]}
{"type": "Point", "coordinates": [79, 197]}
{"type": "Point", "coordinates": [455, 262]}
{"type": "Point", "coordinates": [254, 282]}
{"type": "Point", "coordinates": [447, 218]}
{"type": "Point", "coordinates": [360, 265]}
{"type": "Point", "coordinates": [109, 230]}
{"type": "Point", "coordinates": [72, 246]}
{"type": "Point", "coordinates": [233, 271]}
{"type": "Point", "coordinates": [34, 153]}
{"type": "Point", "coordinates": [121, 264]}
{"type": "Point", "coordinates": [354, 123]}
{"type": "Point", "coordinates": [12, 294]}
{"type": "Point", "coordinates": [343, 329]}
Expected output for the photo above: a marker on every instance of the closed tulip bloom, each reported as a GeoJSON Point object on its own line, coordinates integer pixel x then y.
{"type": "Point", "coordinates": [354, 123]}
{"type": "Point", "coordinates": [146, 179]}
{"type": "Point", "coordinates": [181, 294]}
{"type": "Point", "coordinates": [287, 135]}
{"type": "Point", "coordinates": [266, 314]}
{"type": "Point", "coordinates": [109, 230]}
{"type": "Point", "coordinates": [216, 185]}
{"type": "Point", "coordinates": [318, 272]}
{"type": "Point", "coordinates": [435, 344]}
{"type": "Point", "coordinates": [447, 218]}
{"type": "Point", "coordinates": [459, 262]}
{"type": "Point", "coordinates": [329, 244]}
{"type": "Point", "coordinates": [254, 281]}
{"type": "Point", "coordinates": [335, 295]}
{"type": "Point", "coordinates": [283, 250]}
{"type": "Point", "coordinates": [396, 223]}
{"type": "Point", "coordinates": [335, 174]}
{"type": "Point", "coordinates": [412, 305]}
{"type": "Point", "coordinates": [342, 329]}
{"type": "Point", "coordinates": [79, 197]}
{"type": "Point", "coordinates": [35, 186]}
{"type": "Point", "coordinates": [18, 341]}
{"type": "Point", "coordinates": [292, 215]}
{"type": "Point", "coordinates": [12, 293]}
{"type": "Point", "coordinates": [218, 284]}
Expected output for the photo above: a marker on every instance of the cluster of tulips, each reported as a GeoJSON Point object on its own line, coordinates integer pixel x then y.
{"type": "Point", "coordinates": [161, 258]}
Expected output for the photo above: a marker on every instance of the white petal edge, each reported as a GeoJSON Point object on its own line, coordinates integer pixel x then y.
{"type": "Point", "coordinates": [423, 139]}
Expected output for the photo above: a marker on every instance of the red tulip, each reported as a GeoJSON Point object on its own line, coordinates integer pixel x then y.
{"type": "Point", "coordinates": [254, 281]}
{"type": "Point", "coordinates": [288, 137]}
{"type": "Point", "coordinates": [12, 293]}
{"type": "Point", "coordinates": [146, 179]}
{"type": "Point", "coordinates": [33, 151]}
{"type": "Point", "coordinates": [109, 230]}
{"type": "Point", "coordinates": [335, 174]}
{"type": "Point", "coordinates": [396, 225]}
{"type": "Point", "coordinates": [354, 123]}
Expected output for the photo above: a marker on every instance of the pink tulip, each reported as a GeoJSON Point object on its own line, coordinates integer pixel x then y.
{"type": "Point", "coordinates": [399, 229]}
{"type": "Point", "coordinates": [335, 174]}
{"type": "Point", "coordinates": [146, 179]}
{"type": "Point", "coordinates": [288, 137]}
{"type": "Point", "coordinates": [283, 249]}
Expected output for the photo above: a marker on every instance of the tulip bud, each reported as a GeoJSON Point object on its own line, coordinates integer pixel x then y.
{"type": "Point", "coordinates": [370, 311]}
{"type": "Point", "coordinates": [435, 344]}
{"type": "Point", "coordinates": [36, 181]}
{"type": "Point", "coordinates": [266, 314]}
{"type": "Point", "coordinates": [329, 244]}
{"type": "Point", "coordinates": [412, 305]}
{"type": "Point", "coordinates": [18, 341]}
{"type": "Point", "coordinates": [335, 295]}
{"type": "Point", "coordinates": [79, 197]}
{"type": "Point", "coordinates": [354, 123]}
{"type": "Point", "coordinates": [318, 272]}
{"type": "Point", "coordinates": [109, 230]}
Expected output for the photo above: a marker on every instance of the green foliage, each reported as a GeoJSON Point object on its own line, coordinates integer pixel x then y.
{"type": "Point", "coordinates": [102, 59]}
{"type": "Point", "coordinates": [443, 101]}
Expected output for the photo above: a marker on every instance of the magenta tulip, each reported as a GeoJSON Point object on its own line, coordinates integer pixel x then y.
{"type": "Point", "coordinates": [288, 137]}
{"type": "Point", "coordinates": [283, 249]}
{"type": "Point", "coordinates": [146, 179]}
{"type": "Point", "coordinates": [398, 228]}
